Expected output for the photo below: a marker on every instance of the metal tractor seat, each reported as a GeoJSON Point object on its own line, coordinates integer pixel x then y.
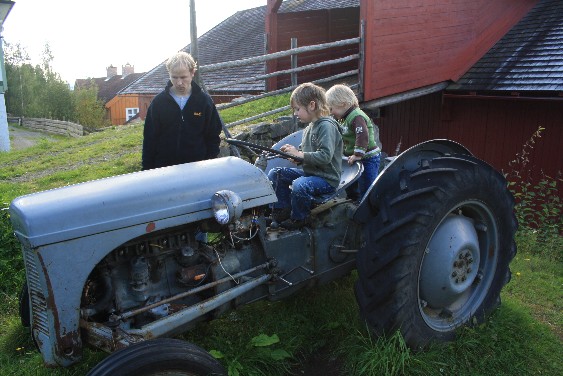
{"type": "Point", "coordinates": [350, 173]}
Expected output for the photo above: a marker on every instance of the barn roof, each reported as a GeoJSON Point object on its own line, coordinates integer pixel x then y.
{"type": "Point", "coordinates": [528, 58]}
{"type": "Point", "coordinates": [225, 42]}
{"type": "Point", "coordinates": [240, 36]}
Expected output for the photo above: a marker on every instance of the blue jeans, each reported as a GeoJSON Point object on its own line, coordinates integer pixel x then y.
{"type": "Point", "coordinates": [358, 189]}
{"type": "Point", "coordinates": [302, 194]}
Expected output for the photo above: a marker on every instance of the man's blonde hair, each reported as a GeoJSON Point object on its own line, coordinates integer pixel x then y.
{"type": "Point", "coordinates": [182, 59]}
{"type": "Point", "coordinates": [341, 95]}
{"type": "Point", "coordinates": [307, 93]}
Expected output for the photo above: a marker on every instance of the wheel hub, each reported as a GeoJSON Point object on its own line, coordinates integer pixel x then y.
{"type": "Point", "coordinates": [450, 263]}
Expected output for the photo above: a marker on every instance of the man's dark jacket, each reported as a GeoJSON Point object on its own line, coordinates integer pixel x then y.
{"type": "Point", "coordinates": [172, 136]}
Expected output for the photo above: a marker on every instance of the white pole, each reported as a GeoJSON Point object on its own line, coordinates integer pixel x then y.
{"type": "Point", "coordinates": [4, 134]}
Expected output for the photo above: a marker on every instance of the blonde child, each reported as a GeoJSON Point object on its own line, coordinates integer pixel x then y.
{"type": "Point", "coordinates": [321, 151]}
{"type": "Point", "coordinates": [360, 137]}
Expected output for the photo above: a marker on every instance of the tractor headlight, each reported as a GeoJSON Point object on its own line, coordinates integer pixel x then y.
{"type": "Point", "coordinates": [226, 206]}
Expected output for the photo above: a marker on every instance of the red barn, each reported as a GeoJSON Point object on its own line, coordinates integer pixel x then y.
{"type": "Point", "coordinates": [484, 73]}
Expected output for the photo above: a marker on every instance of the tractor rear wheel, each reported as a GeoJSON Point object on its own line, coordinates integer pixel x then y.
{"type": "Point", "coordinates": [437, 252]}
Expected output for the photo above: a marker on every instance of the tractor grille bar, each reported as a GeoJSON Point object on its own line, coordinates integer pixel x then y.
{"type": "Point", "coordinates": [38, 301]}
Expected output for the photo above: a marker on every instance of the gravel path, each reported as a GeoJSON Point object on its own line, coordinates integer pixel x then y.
{"type": "Point", "coordinates": [21, 138]}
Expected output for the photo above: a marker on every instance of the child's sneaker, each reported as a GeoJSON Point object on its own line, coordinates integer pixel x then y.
{"type": "Point", "coordinates": [280, 215]}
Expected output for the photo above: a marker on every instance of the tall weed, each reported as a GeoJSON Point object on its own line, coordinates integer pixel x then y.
{"type": "Point", "coordinates": [368, 355]}
{"type": "Point", "coordinates": [539, 208]}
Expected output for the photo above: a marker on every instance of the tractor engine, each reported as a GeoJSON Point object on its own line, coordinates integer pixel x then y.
{"type": "Point", "coordinates": [139, 278]}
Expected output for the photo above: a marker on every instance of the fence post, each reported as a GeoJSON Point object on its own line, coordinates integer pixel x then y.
{"type": "Point", "coordinates": [293, 62]}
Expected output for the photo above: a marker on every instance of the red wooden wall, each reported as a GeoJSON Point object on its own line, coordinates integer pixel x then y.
{"type": "Point", "coordinates": [494, 129]}
{"type": "Point", "coordinates": [412, 44]}
{"type": "Point", "coordinates": [312, 27]}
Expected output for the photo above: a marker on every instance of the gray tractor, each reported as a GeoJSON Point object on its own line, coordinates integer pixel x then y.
{"type": "Point", "coordinates": [126, 263]}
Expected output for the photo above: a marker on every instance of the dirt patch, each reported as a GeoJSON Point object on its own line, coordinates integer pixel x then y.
{"type": "Point", "coordinates": [322, 363]}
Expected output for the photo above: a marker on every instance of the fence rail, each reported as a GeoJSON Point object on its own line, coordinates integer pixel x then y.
{"type": "Point", "coordinates": [293, 71]}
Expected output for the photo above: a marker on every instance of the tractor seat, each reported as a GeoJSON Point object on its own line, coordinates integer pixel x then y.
{"type": "Point", "coordinates": [349, 175]}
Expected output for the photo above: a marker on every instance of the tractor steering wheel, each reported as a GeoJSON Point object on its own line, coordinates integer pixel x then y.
{"type": "Point", "coordinates": [262, 148]}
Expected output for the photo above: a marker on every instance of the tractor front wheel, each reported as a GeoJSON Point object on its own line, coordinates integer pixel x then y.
{"type": "Point", "coordinates": [159, 357]}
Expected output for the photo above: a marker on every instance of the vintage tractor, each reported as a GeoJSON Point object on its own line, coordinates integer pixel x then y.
{"type": "Point", "coordinates": [125, 263]}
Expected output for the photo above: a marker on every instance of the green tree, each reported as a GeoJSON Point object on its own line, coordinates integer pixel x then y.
{"type": "Point", "coordinates": [56, 96]}
{"type": "Point", "coordinates": [35, 91]}
{"type": "Point", "coordinates": [90, 111]}
{"type": "Point", "coordinates": [18, 72]}
{"type": "Point", "coordinates": [39, 91]}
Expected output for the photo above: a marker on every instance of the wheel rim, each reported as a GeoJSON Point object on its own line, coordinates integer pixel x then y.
{"type": "Point", "coordinates": [458, 266]}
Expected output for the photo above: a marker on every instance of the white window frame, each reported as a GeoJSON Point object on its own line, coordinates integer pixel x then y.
{"type": "Point", "coordinates": [131, 112]}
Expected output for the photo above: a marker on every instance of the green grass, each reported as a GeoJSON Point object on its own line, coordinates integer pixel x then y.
{"type": "Point", "coordinates": [235, 113]}
{"type": "Point", "coordinates": [523, 337]}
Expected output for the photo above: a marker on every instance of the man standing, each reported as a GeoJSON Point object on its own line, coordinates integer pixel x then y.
{"type": "Point", "coordinates": [182, 123]}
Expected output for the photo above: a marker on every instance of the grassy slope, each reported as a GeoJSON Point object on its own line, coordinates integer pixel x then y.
{"type": "Point", "coordinates": [522, 338]}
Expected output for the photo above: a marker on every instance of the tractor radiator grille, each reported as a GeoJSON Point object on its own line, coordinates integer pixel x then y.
{"type": "Point", "coordinates": [38, 301]}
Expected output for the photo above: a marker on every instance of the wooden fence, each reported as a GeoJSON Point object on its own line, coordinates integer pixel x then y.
{"type": "Point", "coordinates": [293, 72]}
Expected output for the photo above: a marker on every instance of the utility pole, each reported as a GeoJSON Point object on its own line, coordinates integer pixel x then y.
{"type": "Point", "coordinates": [193, 43]}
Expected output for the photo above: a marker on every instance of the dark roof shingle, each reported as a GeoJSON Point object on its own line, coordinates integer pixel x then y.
{"type": "Point", "coordinates": [528, 58]}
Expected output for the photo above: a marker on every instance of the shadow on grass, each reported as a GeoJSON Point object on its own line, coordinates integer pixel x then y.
{"type": "Point", "coordinates": [509, 343]}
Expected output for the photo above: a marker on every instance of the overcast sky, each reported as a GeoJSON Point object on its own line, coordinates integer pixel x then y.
{"type": "Point", "coordinates": [87, 36]}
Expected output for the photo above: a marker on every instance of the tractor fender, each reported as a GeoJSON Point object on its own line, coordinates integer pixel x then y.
{"type": "Point", "coordinates": [414, 156]}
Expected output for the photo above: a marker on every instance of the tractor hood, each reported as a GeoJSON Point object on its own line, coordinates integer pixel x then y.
{"type": "Point", "coordinates": [137, 198]}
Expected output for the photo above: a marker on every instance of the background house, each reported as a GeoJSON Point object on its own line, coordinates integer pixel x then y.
{"type": "Point", "coordinates": [118, 109]}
